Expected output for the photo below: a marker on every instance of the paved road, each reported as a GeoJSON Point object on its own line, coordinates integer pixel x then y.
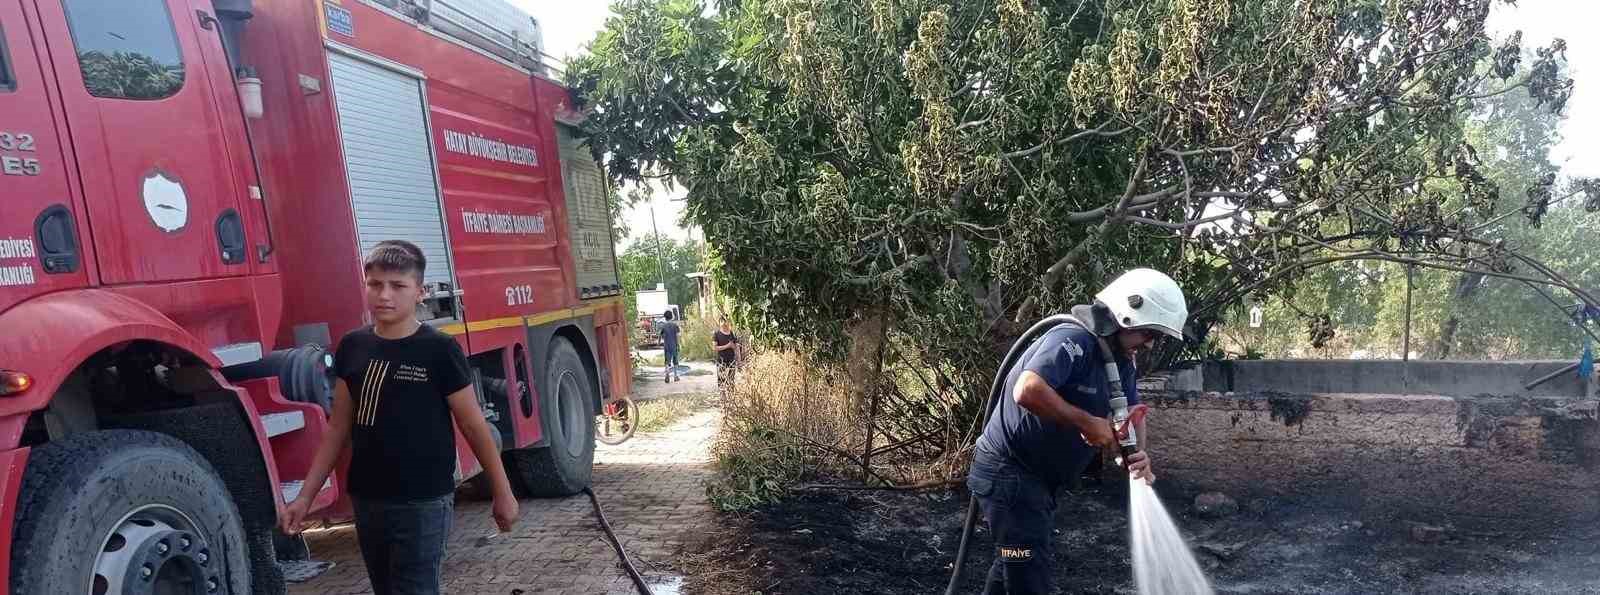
{"type": "Point", "coordinates": [651, 488]}
{"type": "Point", "coordinates": [650, 382]}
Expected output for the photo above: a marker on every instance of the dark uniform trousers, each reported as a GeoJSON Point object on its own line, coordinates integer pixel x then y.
{"type": "Point", "coordinates": [1020, 511]}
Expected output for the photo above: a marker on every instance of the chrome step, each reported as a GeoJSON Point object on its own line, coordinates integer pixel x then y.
{"type": "Point", "coordinates": [278, 424]}
{"type": "Point", "coordinates": [291, 489]}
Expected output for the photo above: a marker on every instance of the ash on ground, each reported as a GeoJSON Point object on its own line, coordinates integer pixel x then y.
{"type": "Point", "coordinates": [903, 543]}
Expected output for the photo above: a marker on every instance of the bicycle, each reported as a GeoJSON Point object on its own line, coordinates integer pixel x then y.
{"type": "Point", "coordinates": [618, 420]}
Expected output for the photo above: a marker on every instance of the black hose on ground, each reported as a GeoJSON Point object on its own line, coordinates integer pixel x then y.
{"type": "Point", "coordinates": [627, 565]}
{"type": "Point", "coordinates": [995, 394]}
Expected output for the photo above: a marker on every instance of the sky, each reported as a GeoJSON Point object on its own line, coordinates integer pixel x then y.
{"type": "Point", "coordinates": [570, 24]}
{"type": "Point", "coordinates": [1572, 20]}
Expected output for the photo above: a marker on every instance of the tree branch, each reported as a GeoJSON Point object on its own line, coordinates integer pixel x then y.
{"type": "Point", "coordinates": [1463, 98]}
{"type": "Point", "coordinates": [973, 124]}
{"type": "Point", "coordinates": [1204, 151]}
{"type": "Point", "coordinates": [901, 268]}
{"type": "Point", "coordinates": [833, 450]}
{"type": "Point", "coordinates": [1138, 203]}
{"type": "Point", "coordinates": [1186, 225]}
{"type": "Point", "coordinates": [1077, 253]}
{"type": "Point", "coordinates": [1515, 212]}
{"type": "Point", "coordinates": [1382, 257]}
{"type": "Point", "coordinates": [1188, 180]}
{"type": "Point", "coordinates": [1096, 131]}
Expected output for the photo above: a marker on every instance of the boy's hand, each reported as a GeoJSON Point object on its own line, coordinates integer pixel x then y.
{"type": "Point", "coordinates": [506, 510]}
{"type": "Point", "coordinates": [293, 515]}
{"type": "Point", "coordinates": [1139, 466]}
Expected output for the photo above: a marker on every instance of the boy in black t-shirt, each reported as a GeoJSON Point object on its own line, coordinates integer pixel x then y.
{"type": "Point", "coordinates": [401, 383]}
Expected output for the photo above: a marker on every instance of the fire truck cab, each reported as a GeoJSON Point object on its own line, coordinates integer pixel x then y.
{"type": "Point", "coordinates": [186, 190]}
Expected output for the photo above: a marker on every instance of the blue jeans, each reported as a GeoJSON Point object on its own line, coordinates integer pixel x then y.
{"type": "Point", "coordinates": [403, 543]}
{"type": "Point", "coordinates": [670, 356]}
{"type": "Point", "coordinates": [1020, 511]}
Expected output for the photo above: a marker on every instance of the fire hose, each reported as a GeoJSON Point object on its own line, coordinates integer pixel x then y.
{"type": "Point", "coordinates": [996, 392]}
{"type": "Point", "coordinates": [627, 565]}
{"type": "Point", "coordinates": [611, 537]}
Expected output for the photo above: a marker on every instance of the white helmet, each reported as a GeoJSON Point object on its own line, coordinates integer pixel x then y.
{"type": "Point", "coordinates": [1146, 299]}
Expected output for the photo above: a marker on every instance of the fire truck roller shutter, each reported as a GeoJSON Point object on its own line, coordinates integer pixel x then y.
{"type": "Point", "coordinates": [388, 159]}
{"type": "Point", "coordinates": [589, 219]}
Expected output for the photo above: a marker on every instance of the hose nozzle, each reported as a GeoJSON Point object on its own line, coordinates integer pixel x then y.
{"type": "Point", "coordinates": [1123, 422]}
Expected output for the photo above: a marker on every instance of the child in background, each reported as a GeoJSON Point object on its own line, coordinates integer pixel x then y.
{"type": "Point", "coordinates": [726, 345]}
{"type": "Point", "coordinates": [669, 346]}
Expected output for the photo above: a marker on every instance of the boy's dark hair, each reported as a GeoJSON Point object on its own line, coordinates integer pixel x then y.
{"type": "Point", "coordinates": [667, 314]}
{"type": "Point", "coordinates": [396, 256]}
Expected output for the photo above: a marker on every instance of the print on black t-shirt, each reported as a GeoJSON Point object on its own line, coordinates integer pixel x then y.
{"type": "Point", "coordinates": [371, 390]}
{"type": "Point", "coordinates": [403, 441]}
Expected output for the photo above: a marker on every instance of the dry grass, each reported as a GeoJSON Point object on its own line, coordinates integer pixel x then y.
{"type": "Point", "coordinates": [695, 341]}
{"type": "Point", "coordinates": [785, 420]}
{"type": "Point", "coordinates": [791, 419]}
{"type": "Point", "coordinates": [657, 414]}
{"type": "Point", "coordinates": [794, 394]}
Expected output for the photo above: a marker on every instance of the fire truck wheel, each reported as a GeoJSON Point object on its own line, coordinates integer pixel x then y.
{"type": "Point", "coordinates": [479, 487]}
{"type": "Point", "coordinates": [125, 511]}
{"type": "Point", "coordinates": [291, 547]}
{"type": "Point", "coordinates": [565, 466]}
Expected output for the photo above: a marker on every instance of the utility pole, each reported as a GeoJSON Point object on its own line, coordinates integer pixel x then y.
{"type": "Point", "coordinates": [703, 282]}
{"type": "Point", "coordinates": [1405, 354]}
{"type": "Point", "coordinates": [1405, 357]}
{"type": "Point", "coordinates": [661, 266]}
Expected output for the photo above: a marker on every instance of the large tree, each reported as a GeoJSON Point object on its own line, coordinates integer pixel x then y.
{"type": "Point", "coordinates": [952, 166]}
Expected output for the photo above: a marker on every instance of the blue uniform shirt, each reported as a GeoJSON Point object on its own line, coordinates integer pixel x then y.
{"type": "Point", "coordinates": [1068, 358]}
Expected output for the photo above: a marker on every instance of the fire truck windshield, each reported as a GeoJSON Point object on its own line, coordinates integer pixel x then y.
{"type": "Point", "coordinates": [7, 81]}
{"type": "Point", "coordinates": [128, 49]}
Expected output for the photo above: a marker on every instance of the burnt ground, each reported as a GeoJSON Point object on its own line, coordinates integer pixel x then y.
{"type": "Point", "coordinates": [903, 543]}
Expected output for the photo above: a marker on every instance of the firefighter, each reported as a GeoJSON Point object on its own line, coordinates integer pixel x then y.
{"type": "Point", "coordinates": [1056, 421]}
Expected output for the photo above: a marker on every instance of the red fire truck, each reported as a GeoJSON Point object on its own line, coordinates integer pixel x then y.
{"type": "Point", "coordinates": [186, 189]}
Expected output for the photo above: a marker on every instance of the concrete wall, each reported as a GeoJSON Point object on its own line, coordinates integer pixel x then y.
{"type": "Point", "coordinates": [1476, 460]}
{"type": "Point", "coordinates": [1389, 377]}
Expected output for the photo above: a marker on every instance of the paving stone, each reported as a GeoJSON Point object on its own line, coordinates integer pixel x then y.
{"type": "Point", "coordinates": [650, 487]}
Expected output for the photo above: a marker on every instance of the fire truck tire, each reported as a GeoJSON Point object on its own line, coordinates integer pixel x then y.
{"type": "Point", "coordinates": [566, 465]}
{"type": "Point", "coordinates": [479, 486]}
{"type": "Point", "coordinates": [291, 547]}
{"type": "Point", "coordinates": [214, 430]}
{"type": "Point", "coordinates": [99, 509]}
